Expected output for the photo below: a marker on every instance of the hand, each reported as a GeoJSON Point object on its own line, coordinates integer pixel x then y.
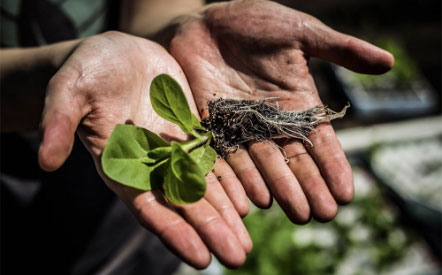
{"type": "Point", "coordinates": [260, 49]}
{"type": "Point", "coordinates": [106, 81]}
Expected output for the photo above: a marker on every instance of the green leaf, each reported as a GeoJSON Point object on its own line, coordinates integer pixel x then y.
{"type": "Point", "coordinates": [125, 157]}
{"type": "Point", "coordinates": [159, 153]}
{"type": "Point", "coordinates": [184, 181]}
{"type": "Point", "coordinates": [158, 173]}
{"type": "Point", "coordinates": [196, 124]}
{"type": "Point", "coordinates": [205, 156]}
{"type": "Point", "coordinates": [169, 101]}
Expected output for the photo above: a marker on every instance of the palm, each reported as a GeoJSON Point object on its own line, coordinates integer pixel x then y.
{"type": "Point", "coordinates": [117, 88]}
{"type": "Point", "coordinates": [234, 70]}
{"type": "Point", "coordinates": [259, 49]}
{"type": "Point", "coordinates": [106, 81]}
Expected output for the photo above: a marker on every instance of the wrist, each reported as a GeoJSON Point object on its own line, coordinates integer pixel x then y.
{"type": "Point", "coordinates": [146, 18]}
{"type": "Point", "coordinates": [165, 35]}
{"type": "Point", "coordinates": [56, 54]}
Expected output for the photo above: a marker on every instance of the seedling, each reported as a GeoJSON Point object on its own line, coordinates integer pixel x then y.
{"type": "Point", "coordinates": [138, 158]}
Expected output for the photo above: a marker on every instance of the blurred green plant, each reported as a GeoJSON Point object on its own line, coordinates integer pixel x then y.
{"type": "Point", "coordinates": [405, 70]}
{"type": "Point", "coordinates": [365, 233]}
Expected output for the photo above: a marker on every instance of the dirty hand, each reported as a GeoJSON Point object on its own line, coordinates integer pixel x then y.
{"type": "Point", "coordinates": [106, 81]}
{"type": "Point", "coordinates": [259, 49]}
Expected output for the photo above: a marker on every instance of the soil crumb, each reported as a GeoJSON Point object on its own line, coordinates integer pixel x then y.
{"type": "Point", "coordinates": [235, 122]}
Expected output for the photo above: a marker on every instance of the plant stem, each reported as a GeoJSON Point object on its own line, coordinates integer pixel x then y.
{"type": "Point", "coordinates": [191, 145]}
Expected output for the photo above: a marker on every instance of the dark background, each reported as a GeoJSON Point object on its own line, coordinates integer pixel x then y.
{"type": "Point", "coordinates": [416, 25]}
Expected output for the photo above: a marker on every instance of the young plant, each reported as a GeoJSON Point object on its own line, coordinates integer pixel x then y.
{"type": "Point", "coordinates": [138, 158]}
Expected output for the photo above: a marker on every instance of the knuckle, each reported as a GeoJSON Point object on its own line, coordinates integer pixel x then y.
{"type": "Point", "coordinates": [142, 213]}
{"type": "Point", "coordinates": [249, 175]}
{"type": "Point", "coordinates": [209, 222]}
{"type": "Point", "coordinates": [224, 209]}
{"type": "Point", "coordinates": [284, 180]}
{"type": "Point", "coordinates": [170, 229]}
{"type": "Point", "coordinates": [263, 151]}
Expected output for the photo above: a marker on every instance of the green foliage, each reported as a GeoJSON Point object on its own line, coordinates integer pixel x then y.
{"type": "Point", "coordinates": [405, 70]}
{"type": "Point", "coordinates": [184, 181]}
{"type": "Point", "coordinates": [205, 156]}
{"type": "Point", "coordinates": [125, 158]}
{"type": "Point", "coordinates": [368, 230]}
{"type": "Point", "coordinates": [168, 100]}
{"type": "Point", "coordinates": [138, 158]}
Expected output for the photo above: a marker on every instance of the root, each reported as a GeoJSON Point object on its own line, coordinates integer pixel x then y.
{"type": "Point", "coordinates": [235, 122]}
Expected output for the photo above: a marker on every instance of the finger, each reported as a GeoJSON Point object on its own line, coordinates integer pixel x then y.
{"type": "Point", "coordinates": [250, 178]}
{"type": "Point", "coordinates": [281, 181]}
{"type": "Point", "coordinates": [322, 204]}
{"type": "Point", "coordinates": [232, 186]}
{"type": "Point", "coordinates": [345, 50]}
{"type": "Point", "coordinates": [216, 196]}
{"type": "Point", "coordinates": [214, 231]}
{"type": "Point", "coordinates": [330, 158]}
{"type": "Point", "coordinates": [153, 213]}
{"type": "Point", "coordinates": [62, 114]}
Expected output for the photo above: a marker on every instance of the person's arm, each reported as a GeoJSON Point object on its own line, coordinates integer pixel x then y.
{"type": "Point", "coordinates": [145, 18]}
{"type": "Point", "coordinates": [25, 72]}
{"type": "Point", "coordinates": [24, 75]}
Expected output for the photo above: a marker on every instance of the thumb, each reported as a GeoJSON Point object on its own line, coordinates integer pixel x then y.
{"type": "Point", "coordinates": [61, 116]}
{"type": "Point", "coordinates": [345, 50]}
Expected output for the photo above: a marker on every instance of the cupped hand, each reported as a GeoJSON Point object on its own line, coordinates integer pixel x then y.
{"type": "Point", "coordinates": [260, 49]}
{"type": "Point", "coordinates": [106, 81]}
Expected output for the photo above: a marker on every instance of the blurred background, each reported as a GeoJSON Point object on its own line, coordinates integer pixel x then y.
{"type": "Point", "coordinates": [392, 136]}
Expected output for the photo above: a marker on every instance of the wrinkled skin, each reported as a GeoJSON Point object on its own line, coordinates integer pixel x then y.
{"type": "Point", "coordinates": [260, 49]}
{"type": "Point", "coordinates": [106, 81]}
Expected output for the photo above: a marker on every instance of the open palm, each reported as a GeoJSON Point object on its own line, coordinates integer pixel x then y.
{"type": "Point", "coordinates": [106, 81]}
{"type": "Point", "coordinates": [259, 49]}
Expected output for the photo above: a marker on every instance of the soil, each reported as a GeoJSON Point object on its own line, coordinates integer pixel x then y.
{"type": "Point", "coordinates": [236, 122]}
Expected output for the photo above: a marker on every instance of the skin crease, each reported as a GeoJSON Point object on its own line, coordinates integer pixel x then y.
{"type": "Point", "coordinates": [258, 49]}
{"type": "Point", "coordinates": [105, 81]}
